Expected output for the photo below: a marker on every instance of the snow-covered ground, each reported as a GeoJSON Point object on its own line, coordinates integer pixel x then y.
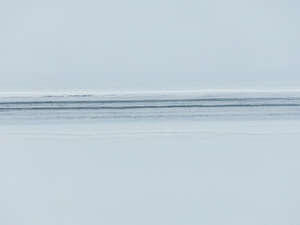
{"type": "Point", "coordinates": [180, 170]}
{"type": "Point", "coordinates": [172, 172]}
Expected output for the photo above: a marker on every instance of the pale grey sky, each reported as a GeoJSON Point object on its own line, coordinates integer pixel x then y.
{"type": "Point", "coordinates": [157, 44]}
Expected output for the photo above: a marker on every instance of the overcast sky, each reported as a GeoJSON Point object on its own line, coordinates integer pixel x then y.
{"type": "Point", "coordinates": [157, 44]}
